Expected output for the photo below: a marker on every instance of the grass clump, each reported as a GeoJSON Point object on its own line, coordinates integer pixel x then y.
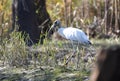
{"type": "Point", "coordinates": [47, 62]}
{"type": "Point", "coordinates": [13, 50]}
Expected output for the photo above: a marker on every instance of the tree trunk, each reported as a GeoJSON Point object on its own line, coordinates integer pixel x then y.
{"type": "Point", "coordinates": [43, 19]}
{"type": "Point", "coordinates": [68, 12]}
{"type": "Point", "coordinates": [32, 18]}
{"type": "Point", "coordinates": [107, 16]}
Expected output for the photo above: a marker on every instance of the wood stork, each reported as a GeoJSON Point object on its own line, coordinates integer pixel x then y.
{"type": "Point", "coordinates": [70, 33]}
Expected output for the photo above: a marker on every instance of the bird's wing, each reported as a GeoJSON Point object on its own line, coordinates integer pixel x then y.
{"type": "Point", "coordinates": [69, 33]}
{"type": "Point", "coordinates": [77, 35]}
{"type": "Point", "coordinates": [73, 34]}
{"type": "Point", "coordinates": [82, 37]}
{"type": "Point", "coordinates": [60, 31]}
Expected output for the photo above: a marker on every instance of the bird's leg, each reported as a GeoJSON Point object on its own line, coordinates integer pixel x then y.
{"type": "Point", "coordinates": [78, 44]}
{"type": "Point", "coordinates": [70, 57]}
{"type": "Point", "coordinates": [73, 45]}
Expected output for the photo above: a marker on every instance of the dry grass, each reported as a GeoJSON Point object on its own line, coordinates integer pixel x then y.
{"type": "Point", "coordinates": [49, 58]}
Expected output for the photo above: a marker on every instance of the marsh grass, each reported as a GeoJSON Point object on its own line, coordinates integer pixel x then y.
{"type": "Point", "coordinates": [13, 50]}
{"type": "Point", "coordinates": [48, 60]}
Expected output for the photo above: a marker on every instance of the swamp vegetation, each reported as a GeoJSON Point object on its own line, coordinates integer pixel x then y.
{"type": "Point", "coordinates": [56, 60]}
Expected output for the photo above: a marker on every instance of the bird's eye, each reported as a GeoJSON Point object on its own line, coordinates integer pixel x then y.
{"type": "Point", "coordinates": [55, 22]}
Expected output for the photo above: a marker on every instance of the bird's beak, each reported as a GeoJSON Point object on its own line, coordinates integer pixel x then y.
{"type": "Point", "coordinates": [52, 27]}
{"type": "Point", "coordinates": [49, 31]}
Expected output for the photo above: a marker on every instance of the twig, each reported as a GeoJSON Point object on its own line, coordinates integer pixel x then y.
{"type": "Point", "coordinates": [69, 58]}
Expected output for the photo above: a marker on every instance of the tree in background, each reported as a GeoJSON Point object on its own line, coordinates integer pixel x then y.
{"type": "Point", "coordinates": [68, 12]}
{"type": "Point", "coordinates": [43, 18]}
{"type": "Point", "coordinates": [32, 18]}
{"type": "Point", "coordinates": [77, 13]}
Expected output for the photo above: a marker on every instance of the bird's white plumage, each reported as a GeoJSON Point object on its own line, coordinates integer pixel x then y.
{"type": "Point", "coordinates": [73, 34]}
{"type": "Point", "coordinates": [70, 33]}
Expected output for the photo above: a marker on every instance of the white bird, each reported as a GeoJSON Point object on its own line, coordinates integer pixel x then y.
{"type": "Point", "coordinates": [70, 33]}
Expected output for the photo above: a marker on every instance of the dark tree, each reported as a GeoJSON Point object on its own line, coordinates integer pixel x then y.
{"type": "Point", "coordinates": [43, 19]}
{"type": "Point", "coordinates": [32, 18]}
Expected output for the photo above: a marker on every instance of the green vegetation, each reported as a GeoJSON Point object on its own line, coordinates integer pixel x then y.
{"type": "Point", "coordinates": [47, 62]}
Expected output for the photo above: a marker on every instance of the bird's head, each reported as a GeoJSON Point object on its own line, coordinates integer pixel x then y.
{"type": "Point", "coordinates": [56, 25]}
